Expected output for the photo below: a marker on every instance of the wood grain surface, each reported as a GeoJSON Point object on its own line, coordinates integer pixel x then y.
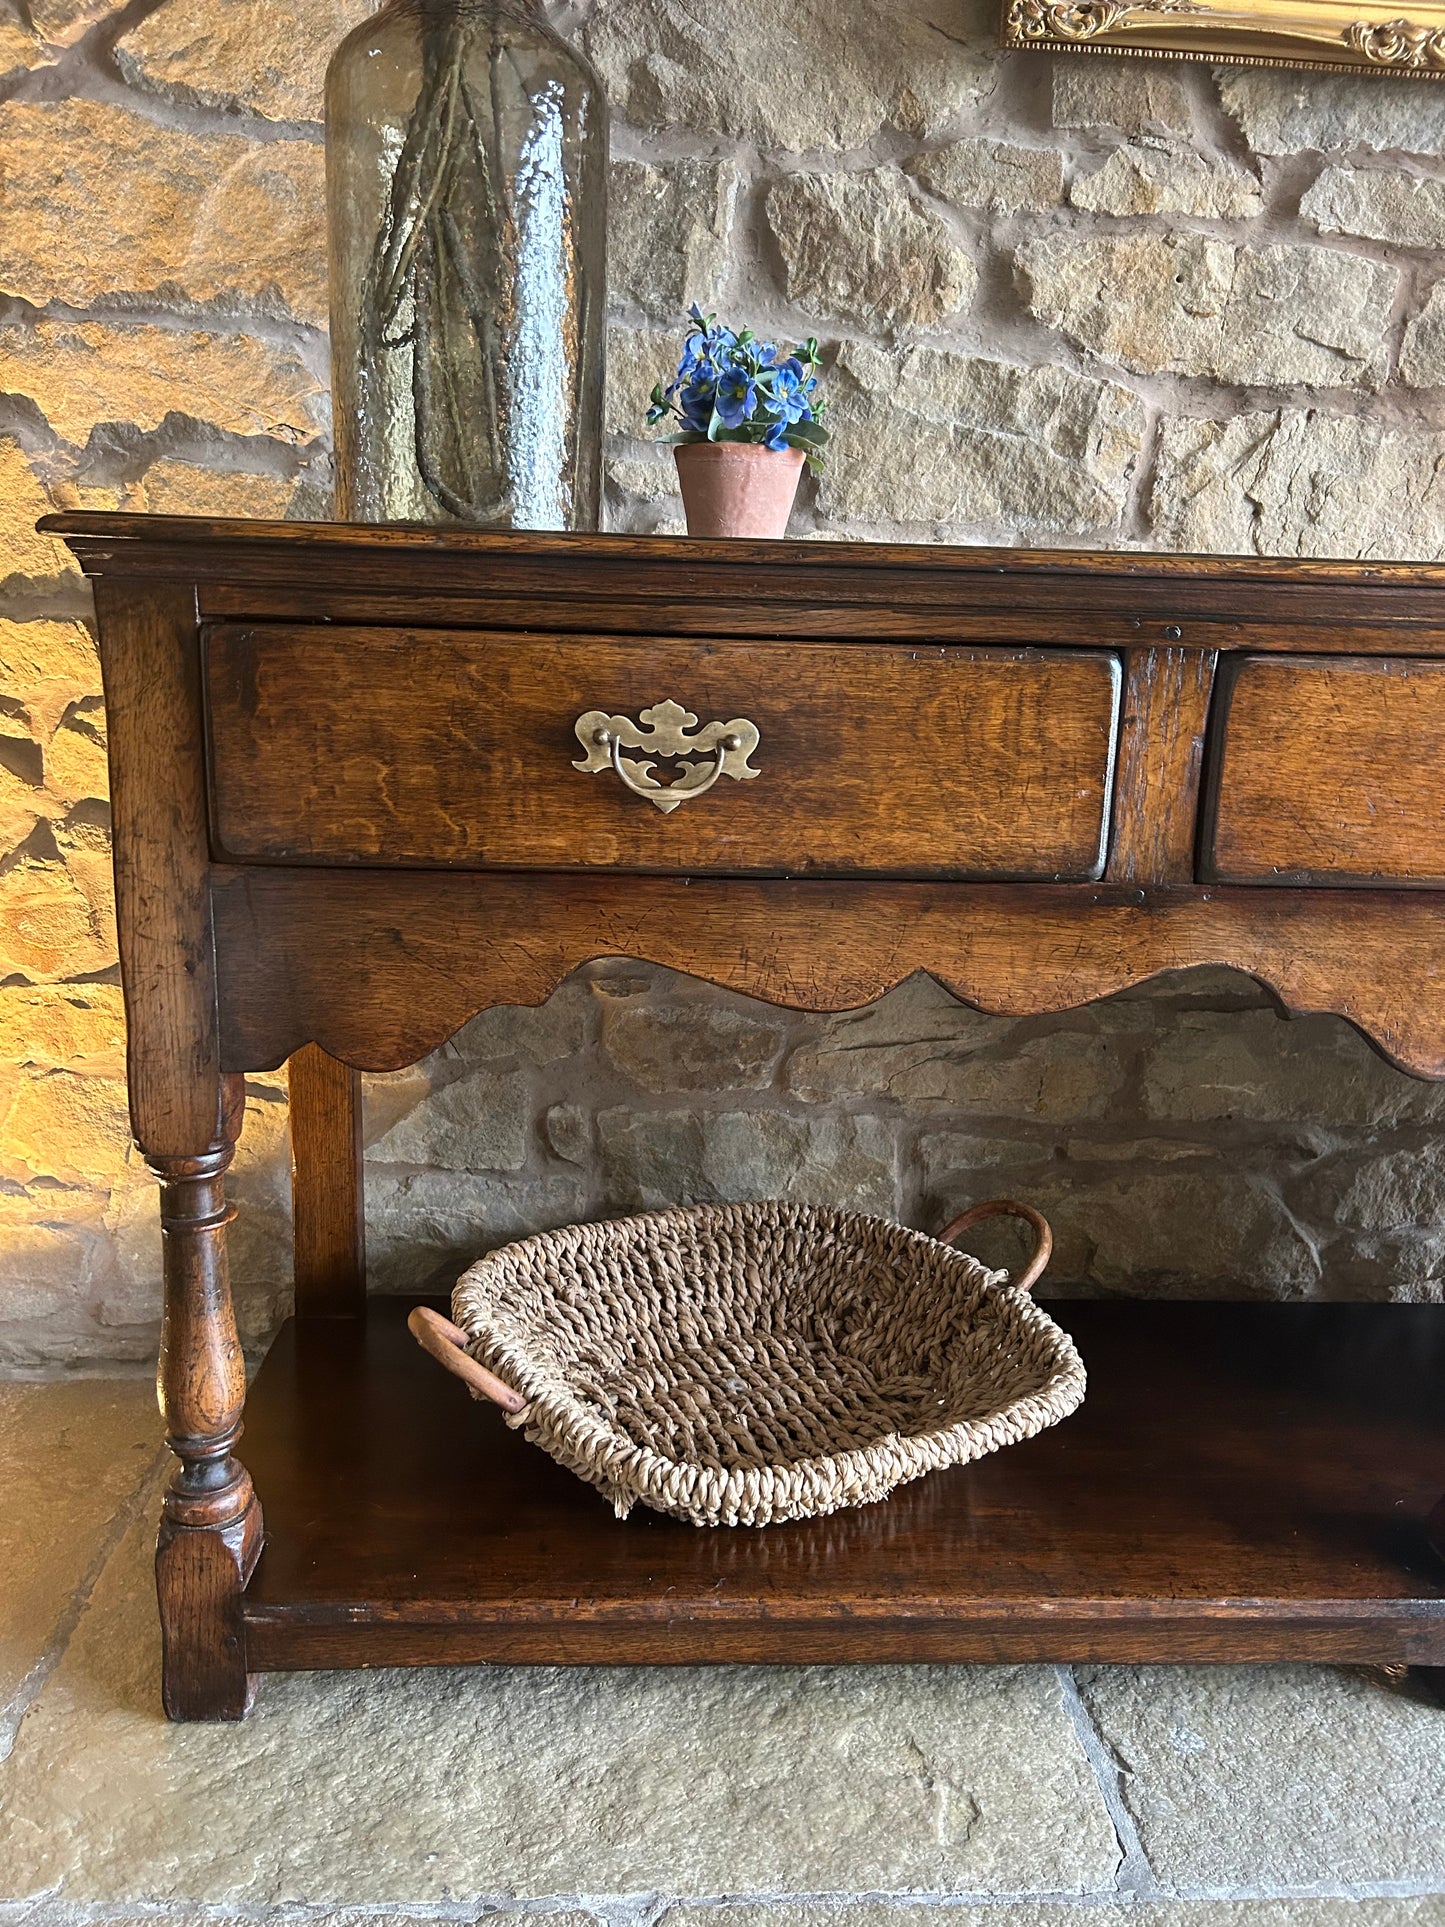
{"type": "Point", "coordinates": [1244, 1482]}
{"type": "Point", "coordinates": [404, 747]}
{"type": "Point", "coordinates": [328, 1205]}
{"type": "Point", "coordinates": [1161, 757]}
{"type": "Point", "coordinates": [379, 968]}
{"type": "Point", "coordinates": [666, 584]}
{"type": "Point", "coordinates": [1331, 772]}
{"type": "Point", "coordinates": [151, 668]}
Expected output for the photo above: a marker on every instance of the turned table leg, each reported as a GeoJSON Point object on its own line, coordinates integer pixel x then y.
{"type": "Point", "coordinates": [211, 1531]}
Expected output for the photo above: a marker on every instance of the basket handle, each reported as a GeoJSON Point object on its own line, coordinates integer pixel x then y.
{"type": "Point", "coordinates": [1007, 1208]}
{"type": "Point", "coordinates": [447, 1344]}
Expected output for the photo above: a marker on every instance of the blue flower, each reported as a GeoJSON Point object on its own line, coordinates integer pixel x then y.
{"type": "Point", "coordinates": [788, 394]}
{"type": "Point", "coordinates": [777, 437]}
{"type": "Point", "coordinates": [736, 392]}
{"type": "Point", "coordinates": [696, 399]}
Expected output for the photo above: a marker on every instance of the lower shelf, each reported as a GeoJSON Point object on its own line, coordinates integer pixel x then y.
{"type": "Point", "coordinates": [1243, 1482]}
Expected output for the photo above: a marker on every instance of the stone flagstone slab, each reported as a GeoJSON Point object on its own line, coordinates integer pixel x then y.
{"type": "Point", "coordinates": [1278, 1776]}
{"type": "Point", "coordinates": [1419, 1911]}
{"type": "Point", "coordinates": [71, 1455]}
{"type": "Point", "coordinates": [443, 1785]}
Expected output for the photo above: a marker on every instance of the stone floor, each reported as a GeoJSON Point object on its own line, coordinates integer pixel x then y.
{"type": "Point", "coordinates": [749, 1797]}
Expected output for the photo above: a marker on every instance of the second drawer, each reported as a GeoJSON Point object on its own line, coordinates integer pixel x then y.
{"type": "Point", "coordinates": [387, 746]}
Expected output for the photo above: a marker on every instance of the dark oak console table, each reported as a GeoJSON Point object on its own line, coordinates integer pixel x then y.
{"type": "Point", "coordinates": [356, 800]}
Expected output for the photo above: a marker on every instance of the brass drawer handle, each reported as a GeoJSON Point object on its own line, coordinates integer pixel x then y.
{"type": "Point", "coordinates": [663, 730]}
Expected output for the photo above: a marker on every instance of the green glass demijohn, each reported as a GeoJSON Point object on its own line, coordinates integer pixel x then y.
{"type": "Point", "coordinates": [466, 182]}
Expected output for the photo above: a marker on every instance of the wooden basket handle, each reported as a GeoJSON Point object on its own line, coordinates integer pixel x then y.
{"type": "Point", "coordinates": [1006, 1208]}
{"type": "Point", "coordinates": [447, 1344]}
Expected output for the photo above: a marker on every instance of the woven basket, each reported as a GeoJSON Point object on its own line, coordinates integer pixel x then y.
{"type": "Point", "coordinates": [744, 1364]}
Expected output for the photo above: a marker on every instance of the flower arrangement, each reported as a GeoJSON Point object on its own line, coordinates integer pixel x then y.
{"type": "Point", "coordinates": [732, 387]}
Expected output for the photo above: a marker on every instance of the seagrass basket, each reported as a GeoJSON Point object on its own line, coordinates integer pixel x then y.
{"type": "Point", "coordinates": [749, 1363]}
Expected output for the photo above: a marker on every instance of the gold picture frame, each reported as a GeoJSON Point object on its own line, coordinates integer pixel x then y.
{"type": "Point", "coordinates": [1325, 34]}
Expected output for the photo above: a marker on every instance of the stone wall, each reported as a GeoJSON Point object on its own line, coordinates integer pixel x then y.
{"type": "Point", "coordinates": [1082, 301]}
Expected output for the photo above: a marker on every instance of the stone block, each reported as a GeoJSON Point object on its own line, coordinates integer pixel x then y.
{"type": "Point", "coordinates": [911, 66]}
{"type": "Point", "coordinates": [267, 55]}
{"type": "Point", "coordinates": [921, 1048]}
{"type": "Point", "coordinates": [423, 1228]}
{"type": "Point", "coordinates": [479, 1122]}
{"type": "Point", "coordinates": [1227, 1066]}
{"type": "Point", "coordinates": [183, 488]}
{"type": "Point", "coordinates": [1312, 1911]}
{"type": "Point", "coordinates": [1394, 1192]}
{"type": "Point", "coordinates": [863, 1052]}
{"type": "Point", "coordinates": [524, 1033]}
{"type": "Point", "coordinates": [80, 374]}
{"type": "Point", "coordinates": [1291, 113]}
{"type": "Point", "coordinates": [56, 916]}
{"type": "Point", "coordinates": [19, 49]}
{"type": "Point", "coordinates": [1137, 97]}
{"type": "Point", "coordinates": [637, 359]}
{"type": "Point", "coordinates": [634, 1780]}
{"type": "Point", "coordinates": [1291, 482]}
{"type": "Point", "coordinates": [1422, 353]}
{"type": "Point", "coordinates": [856, 246]}
{"type": "Point", "coordinates": [568, 1131]}
{"type": "Point", "coordinates": [23, 501]}
{"type": "Point", "coordinates": [203, 217]}
{"type": "Point", "coordinates": [1405, 209]}
{"type": "Point", "coordinates": [698, 1045]}
{"type": "Point", "coordinates": [650, 1160]}
{"type": "Point", "coordinates": [22, 803]}
{"type": "Point", "coordinates": [1214, 1233]}
{"type": "Point", "coordinates": [75, 757]}
{"type": "Point", "coordinates": [72, 1456]}
{"type": "Point", "coordinates": [669, 228]}
{"type": "Point", "coordinates": [1294, 1776]}
{"type": "Point", "coordinates": [993, 175]}
{"type": "Point", "coordinates": [646, 478]}
{"type": "Point", "coordinates": [1186, 305]}
{"type": "Point", "coordinates": [1156, 180]}
{"type": "Point", "coordinates": [950, 440]}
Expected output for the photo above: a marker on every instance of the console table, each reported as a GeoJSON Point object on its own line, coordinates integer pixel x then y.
{"type": "Point", "coordinates": [358, 797]}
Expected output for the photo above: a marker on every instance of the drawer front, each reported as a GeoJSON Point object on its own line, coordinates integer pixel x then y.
{"type": "Point", "coordinates": [1331, 770]}
{"type": "Point", "coordinates": [383, 746]}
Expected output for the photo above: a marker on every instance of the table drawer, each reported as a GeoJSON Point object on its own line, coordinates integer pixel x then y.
{"type": "Point", "coordinates": [387, 746]}
{"type": "Point", "coordinates": [1331, 770]}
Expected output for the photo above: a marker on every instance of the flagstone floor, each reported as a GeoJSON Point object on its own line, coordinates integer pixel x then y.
{"type": "Point", "coordinates": [731, 1797]}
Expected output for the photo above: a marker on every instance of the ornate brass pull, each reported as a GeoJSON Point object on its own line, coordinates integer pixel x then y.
{"type": "Point", "coordinates": [663, 730]}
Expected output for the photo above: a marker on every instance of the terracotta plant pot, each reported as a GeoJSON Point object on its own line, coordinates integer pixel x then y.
{"type": "Point", "coordinates": [738, 488]}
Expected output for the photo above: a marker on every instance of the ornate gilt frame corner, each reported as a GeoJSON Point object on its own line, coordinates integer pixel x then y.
{"type": "Point", "coordinates": [1330, 35]}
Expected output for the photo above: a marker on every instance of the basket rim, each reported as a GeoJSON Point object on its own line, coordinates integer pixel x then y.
{"type": "Point", "coordinates": [643, 1473]}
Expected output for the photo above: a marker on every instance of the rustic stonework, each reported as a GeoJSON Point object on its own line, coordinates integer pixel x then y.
{"type": "Point", "coordinates": [183, 488]}
{"type": "Point", "coordinates": [210, 217]}
{"type": "Point", "coordinates": [857, 247]}
{"type": "Point", "coordinates": [22, 501]}
{"type": "Point", "coordinates": [1379, 204]}
{"type": "Point", "coordinates": [1422, 356]}
{"type": "Point", "coordinates": [82, 374]}
{"type": "Point", "coordinates": [668, 233]}
{"type": "Point", "coordinates": [1184, 304]}
{"type": "Point", "coordinates": [1300, 484]}
{"type": "Point", "coordinates": [1131, 96]}
{"type": "Point", "coordinates": [1155, 180]}
{"type": "Point", "coordinates": [988, 443]}
{"type": "Point", "coordinates": [911, 66]}
{"type": "Point", "coordinates": [992, 174]}
{"type": "Point", "coordinates": [1285, 113]}
{"type": "Point", "coordinates": [270, 55]}
{"type": "Point", "coordinates": [1049, 296]}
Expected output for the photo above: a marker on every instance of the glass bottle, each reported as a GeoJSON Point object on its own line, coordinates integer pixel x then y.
{"type": "Point", "coordinates": [466, 184]}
